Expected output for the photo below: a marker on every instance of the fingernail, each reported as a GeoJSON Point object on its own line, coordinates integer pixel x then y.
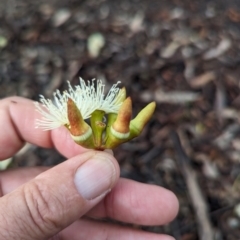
{"type": "Point", "coordinates": [95, 176]}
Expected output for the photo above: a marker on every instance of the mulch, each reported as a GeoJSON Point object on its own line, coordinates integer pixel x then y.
{"type": "Point", "coordinates": [184, 55]}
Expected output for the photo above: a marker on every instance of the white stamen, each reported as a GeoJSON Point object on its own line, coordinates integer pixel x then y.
{"type": "Point", "coordinates": [85, 96]}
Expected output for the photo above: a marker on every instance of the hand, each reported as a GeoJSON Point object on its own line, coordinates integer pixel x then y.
{"type": "Point", "coordinates": [40, 203]}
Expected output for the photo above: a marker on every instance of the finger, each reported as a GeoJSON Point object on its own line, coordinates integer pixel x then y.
{"type": "Point", "coordinates": [17, 124]}
{"type": "Point", "coordinates": [127, 202]}
{"type": "Point", "coordinates": [86, 229]}
{"type": "Point", "coordinates": [57, 197]}
{"type": "Point", "coordinates": [14, 178]}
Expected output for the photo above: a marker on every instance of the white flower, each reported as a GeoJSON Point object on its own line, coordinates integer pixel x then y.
{"type": "Point", "coordinates": [86, 97]}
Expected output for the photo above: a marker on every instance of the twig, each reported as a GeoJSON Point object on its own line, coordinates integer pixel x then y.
{"type": "Point", "coordinates": [199, 203]}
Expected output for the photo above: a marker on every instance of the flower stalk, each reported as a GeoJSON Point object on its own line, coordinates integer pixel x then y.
{"type": "Point", "coordinates": [98, 127]}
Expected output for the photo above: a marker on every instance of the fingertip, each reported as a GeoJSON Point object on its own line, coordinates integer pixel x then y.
{"type": "Point", "coordinates": [18, 118]}
{"type": "Point", "coordinates": [23, 116]}
{"type": "Point", "coordinates": [109, 155]}
{"type": "Point", "coordinates": [171, 205]}
{"type": "Point", "coordinates": [131, 200]}
{"type": "Point", "coordinates": [97, 175]}
{"type": "Point", "coordinates": [63, 142]}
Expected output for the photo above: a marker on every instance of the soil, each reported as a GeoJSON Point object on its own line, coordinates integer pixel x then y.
{"type": "Point", "coordinates": [184, 55]}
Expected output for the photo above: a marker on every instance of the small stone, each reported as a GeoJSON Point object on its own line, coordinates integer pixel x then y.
{"type": "Point", "coordinates": [237, 210]}
{"type": "Point", "coordinates": [136, 24]}
{"type": "Point", "coordinates": [233, 222]}
{"type": "Point", "coordinates": [61, 16]}
{"type": "Point", "coordinates": [177, 13]}
{"type": "Point", "coordinates": [3, 42]}
{"type": "Point", "coordinates": [95, 43]}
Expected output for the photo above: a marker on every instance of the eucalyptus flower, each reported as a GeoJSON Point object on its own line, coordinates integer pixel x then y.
{"type": "Point", "coordinates": [109, 115]}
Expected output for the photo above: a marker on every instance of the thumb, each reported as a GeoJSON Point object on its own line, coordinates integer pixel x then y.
{"type": "Point", "coordinates": [56, 198]}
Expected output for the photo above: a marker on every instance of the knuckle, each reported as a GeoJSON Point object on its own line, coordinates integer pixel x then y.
{"type": "Point", "coordinates": [44, 208]}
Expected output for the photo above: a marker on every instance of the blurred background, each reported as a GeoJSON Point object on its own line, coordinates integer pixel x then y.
{"type": "Point", "coordinates": [185, 55]}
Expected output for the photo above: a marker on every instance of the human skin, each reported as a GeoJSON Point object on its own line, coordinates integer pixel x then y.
{"type": "Point", "coordinates": [54, 203]}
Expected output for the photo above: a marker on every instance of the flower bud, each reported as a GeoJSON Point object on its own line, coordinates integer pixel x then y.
{"type": "Point", "coordinates": [139, 122]}
{"type": "Point", "coordinates": [119, 131]}
{"type": "Point", "coordinates": [121, 124]}
{"type": "Point", "coordinates": [80, 131]}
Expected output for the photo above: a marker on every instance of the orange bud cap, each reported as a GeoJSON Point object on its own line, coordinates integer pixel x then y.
{"type": "Point", "coordinates": [121, 124]}
{"type": "Point", "coordinates": [77, 126]}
